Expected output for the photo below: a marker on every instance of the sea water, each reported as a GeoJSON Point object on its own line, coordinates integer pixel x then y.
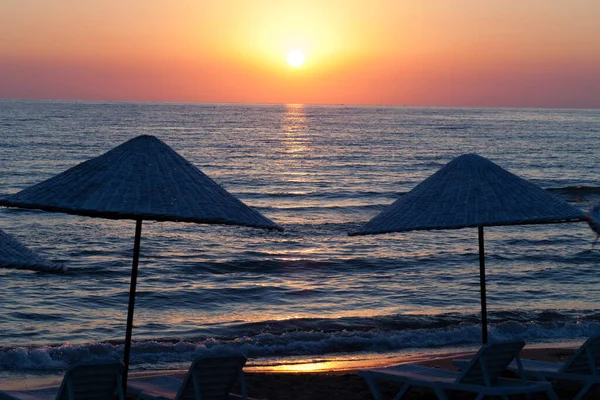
{"type": "Point", "coordinates": [310, 293]}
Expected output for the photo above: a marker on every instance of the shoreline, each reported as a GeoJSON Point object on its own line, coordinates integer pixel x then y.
{"type": "Point", "coordinates": [315, 380]}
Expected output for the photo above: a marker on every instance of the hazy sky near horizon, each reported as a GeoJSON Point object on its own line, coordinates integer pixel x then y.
{"type": "Point", "coordinates": [514, 53]}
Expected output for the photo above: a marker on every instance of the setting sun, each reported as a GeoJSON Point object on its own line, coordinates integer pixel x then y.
{"type": "Point", "coordinates": [295, 58]}
{"type": "Point", "coordinates": [328, 52]}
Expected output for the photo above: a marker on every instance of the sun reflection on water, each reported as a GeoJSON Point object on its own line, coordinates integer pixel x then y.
{"type": "Point", "coordinates": [294, 127]}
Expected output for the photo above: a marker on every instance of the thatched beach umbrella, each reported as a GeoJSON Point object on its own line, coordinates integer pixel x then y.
{"type": "Point", "coordinates": [14, 254]}
{"type": "Point", "coordinates": [471, 191]}
{"type": "Point", "coordinates": [142, 179]}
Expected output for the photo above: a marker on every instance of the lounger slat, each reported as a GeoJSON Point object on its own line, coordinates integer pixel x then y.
{"type": "Point", "coordinates": [216, 377]}
{"type": "Point", "coordinates": [545, 366]}
{"type": "Point", "coordinates": [415, 372]}
{"type": "Point", "coordinates": [220, 374]}
{"type": "Point", "coordinates": [494, 360]}
{"type": "Point", "coordinates": [579, 363]}
{"type": "Point", "coordinates": [97, 381]}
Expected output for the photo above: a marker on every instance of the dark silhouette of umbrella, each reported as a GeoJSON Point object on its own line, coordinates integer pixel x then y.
{"type": "Point", "coordinates": [141, 179]}
{"type": "Point", "coordinates": [14, 254]}
{"type": "Point", "coordinates": [471, 191]}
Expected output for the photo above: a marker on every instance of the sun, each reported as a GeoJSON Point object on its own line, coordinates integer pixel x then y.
{"type": "Point", "coordinates": [295, 58]}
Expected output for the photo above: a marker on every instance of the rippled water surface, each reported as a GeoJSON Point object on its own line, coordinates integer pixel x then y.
{"type": "Point", "coordinates": [311, 291]}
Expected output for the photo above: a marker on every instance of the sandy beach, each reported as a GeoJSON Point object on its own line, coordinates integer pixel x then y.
{"type": "Point", "coordinates": [338, 384]}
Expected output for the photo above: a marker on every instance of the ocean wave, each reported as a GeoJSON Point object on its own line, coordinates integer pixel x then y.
{"type": "Point", "coordinates": [453, 127]}
{"type": "Point", "coordinates": [324, 208]}
{"type": "Point", "coordinates": [316, 337]}
{"type": "Point", "coordinates": [343, 194]}
{"type": "Point", "coordinates": [273, 263]}
{"type": "Point", "coordinates": [378, 200]}
{"type": "Point", "coordinates": [577, 194]}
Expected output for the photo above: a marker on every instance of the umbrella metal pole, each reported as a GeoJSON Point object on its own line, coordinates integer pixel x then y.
{"type": "Point", "coordinates": [484, 332]}
{"type": "Point", "coordinates": [134, 270]}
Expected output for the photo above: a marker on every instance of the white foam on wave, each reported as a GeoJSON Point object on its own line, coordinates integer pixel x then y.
{"type": "Point", "coordinates": [264, 347]}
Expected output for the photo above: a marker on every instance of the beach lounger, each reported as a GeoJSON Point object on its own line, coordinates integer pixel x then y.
{"type": "Point", "coordinates": [209, 378]}
{"type": "Point", "coordinates": [582, 366]}
{"type": "Point", "coordinates": [481, 376]}
{"type": "Point", "coordinates": [90, 381]}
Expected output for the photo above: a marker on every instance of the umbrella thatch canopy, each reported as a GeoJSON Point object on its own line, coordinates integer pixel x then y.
{"type": "Point", "coordinates": [471, 191]}
{"type": "Point", "coordinates": [141, 179]}
{"type": "Point", "coordinates": [14, 254]}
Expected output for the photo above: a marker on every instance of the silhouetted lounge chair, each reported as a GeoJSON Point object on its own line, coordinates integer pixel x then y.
{"type": "Point", "coordinates": [209, 378]}
{"type": "Point", "coordinates": [582, 366]}
{"type": "Point", "coordinates": [89, 381]}
{"type": "Point", "coordinates": [481, 376]}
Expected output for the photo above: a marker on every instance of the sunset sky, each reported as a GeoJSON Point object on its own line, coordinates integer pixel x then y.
{"type": "Point", "coordinates": [515, 53]}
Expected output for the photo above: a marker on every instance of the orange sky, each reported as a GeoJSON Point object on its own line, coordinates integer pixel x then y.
{"type": "Point", "coordinates": [534, 53]}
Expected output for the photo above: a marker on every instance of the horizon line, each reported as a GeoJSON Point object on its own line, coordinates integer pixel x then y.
{"type": "Point", "coordinates": [382, 105]}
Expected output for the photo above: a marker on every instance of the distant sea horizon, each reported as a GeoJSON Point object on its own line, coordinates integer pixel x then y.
{"type": "Point", "coordinates": [241, 103]}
